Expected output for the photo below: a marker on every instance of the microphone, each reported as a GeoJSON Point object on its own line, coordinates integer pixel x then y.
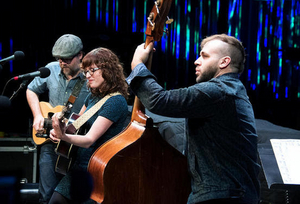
{"type": "Point", "coordinates": [43, 73]}
{"type": "Point", "coordinates": [18, 55]}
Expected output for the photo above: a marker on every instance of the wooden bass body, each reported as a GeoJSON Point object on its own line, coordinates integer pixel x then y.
{"type": "Point", "coordinates": [139, 166]}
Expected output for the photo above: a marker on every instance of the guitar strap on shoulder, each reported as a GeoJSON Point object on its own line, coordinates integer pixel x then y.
{"type": "Point", "coordinates": [76, 91]}
{"type": "Point", "coordinates": [89, 113]}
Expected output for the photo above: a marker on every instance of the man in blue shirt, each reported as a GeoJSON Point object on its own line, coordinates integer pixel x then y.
{"type": "Point", "coordinates": [221, 133]}
{"type": "Point", "coordinates": [65, 73]}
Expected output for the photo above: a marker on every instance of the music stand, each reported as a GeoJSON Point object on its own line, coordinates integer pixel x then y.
{"type": "Point", "coordinates": [272, 174]}
{"type": "Point", "coordinates": [271, 169]}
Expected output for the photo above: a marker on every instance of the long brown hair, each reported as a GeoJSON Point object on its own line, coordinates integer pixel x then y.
{"type": "Point", "coordinates": [112, 71]}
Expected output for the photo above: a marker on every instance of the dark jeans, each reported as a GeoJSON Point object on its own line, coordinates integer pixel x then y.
{"type": "Point", "coordinates": [48, 179]}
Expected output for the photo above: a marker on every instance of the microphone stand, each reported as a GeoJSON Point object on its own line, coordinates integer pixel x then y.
{"type": "Point", "coordinates": [22, 86]}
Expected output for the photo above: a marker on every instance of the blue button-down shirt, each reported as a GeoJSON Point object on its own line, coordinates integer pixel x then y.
{"type": "Point", "coordinates": [221, 134]}
{"type": "Point", "coordinates": [59, 87]}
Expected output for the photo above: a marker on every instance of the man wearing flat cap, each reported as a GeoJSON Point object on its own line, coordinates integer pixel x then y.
{"type": "Point", "coordinates": [64, 78]}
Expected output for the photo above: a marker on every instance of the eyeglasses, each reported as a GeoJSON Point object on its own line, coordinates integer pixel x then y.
{"type": "Point", "coordinates": [90, 71]}
{"type": "Point", "coordinates": [66, 60]}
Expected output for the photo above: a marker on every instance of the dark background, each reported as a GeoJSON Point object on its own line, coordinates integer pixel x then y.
{"type": "Point", "coordinates": [264, 27]}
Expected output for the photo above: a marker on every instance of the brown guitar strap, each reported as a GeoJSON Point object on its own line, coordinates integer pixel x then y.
{"type": "Point", "coordinates": [76, 91]}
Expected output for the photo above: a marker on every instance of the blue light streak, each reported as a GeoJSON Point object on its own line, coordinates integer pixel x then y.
{"type": "Point", "coordinates": [177, 52]}
{"type": "Point", "coordinates": [117, 15]}
{"type": "Point", "coordinates": [258, 48]}
{"type": "Point", "coordinates": [88, 10]}
{"type": "Point", "coordinates": [230, 15]}
{"type": "Point", "coordinates": [266, 31]}
{"type": "Point", "coordinates": [134, 17]}
{"type": "Point", "coordinates": [107, 13]}
{"type": "Point", "coordinates": [186, 33]}
{"type": "Point", "coordinates": [280, 62]}
{"type": "Point", "coordinates": [101, 13]}
{"type": "Point", "coordinates": [249, 74]}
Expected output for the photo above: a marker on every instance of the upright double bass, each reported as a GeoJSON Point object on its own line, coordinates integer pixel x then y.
{"type": "Point", "coordinates": [138, 166]}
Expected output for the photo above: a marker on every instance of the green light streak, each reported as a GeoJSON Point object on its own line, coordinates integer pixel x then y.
{"type": "Point", "coordinates": [145, 18]}
{"type": "Point", "coordinates": [97, 10]}
{"type": "Point", "coordinates": [189, 8]}
{"type": "Point", "coordinates": [187, 51]}
{"type": "Point", "coordinates": [240, 20]}
{"type": "Point", "coordinates": [218, 8]}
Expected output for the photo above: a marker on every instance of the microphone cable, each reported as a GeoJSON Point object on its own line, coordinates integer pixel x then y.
{"type": "Point", "coordinates": [6, 86]}
{"type": "Point", "coordinates": [22, 85]}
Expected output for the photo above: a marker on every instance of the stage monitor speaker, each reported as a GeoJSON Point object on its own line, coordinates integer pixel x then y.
{"type": "Point", "coordinates": [19, 155]}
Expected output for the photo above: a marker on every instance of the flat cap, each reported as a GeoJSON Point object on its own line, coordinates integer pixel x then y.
{"type": "Point", "coordinates": [67, 46]}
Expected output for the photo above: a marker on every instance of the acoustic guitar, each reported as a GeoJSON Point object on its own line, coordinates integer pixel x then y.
{"type": "Point", "coordinates": [47, 112]}
{"type": "Point", "coordinates": [65, 150]}
{"type": "Point", "coordinates": [138, 165]}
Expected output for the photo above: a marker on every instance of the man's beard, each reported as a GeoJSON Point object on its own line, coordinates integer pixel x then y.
{"type": "Point", "coordinates": [70, 72]}
{"type": "Point", "coordinates": [205, 76]}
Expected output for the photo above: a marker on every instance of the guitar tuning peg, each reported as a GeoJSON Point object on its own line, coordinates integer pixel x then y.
{"type": "Point", "coordinates": [150, 18]}
{"type": "Point", "coordinates": [169, 20]}
{"type": "Point", "coordinates": [157, 3]}
{"type": "Point", "coordinates": [153, 26]}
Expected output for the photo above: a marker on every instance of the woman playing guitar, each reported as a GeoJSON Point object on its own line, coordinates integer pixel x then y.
{"type": "Point", "coordinates": [105, 77]}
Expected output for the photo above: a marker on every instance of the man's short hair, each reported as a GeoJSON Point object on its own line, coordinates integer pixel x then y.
{"type": "Point", "coordinates": [236, 49]}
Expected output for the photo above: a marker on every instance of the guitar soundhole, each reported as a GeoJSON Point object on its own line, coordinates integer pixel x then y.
{"type": "Point", "coordinates": [48, 121]}
{"type": "Point", "coordinates": [47, 126]}
{"type": "Point", "coordinates": [50, 114]}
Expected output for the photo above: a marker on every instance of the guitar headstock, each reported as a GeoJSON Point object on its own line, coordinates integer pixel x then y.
{"type": "Point", "coordinates": [157, 19]}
